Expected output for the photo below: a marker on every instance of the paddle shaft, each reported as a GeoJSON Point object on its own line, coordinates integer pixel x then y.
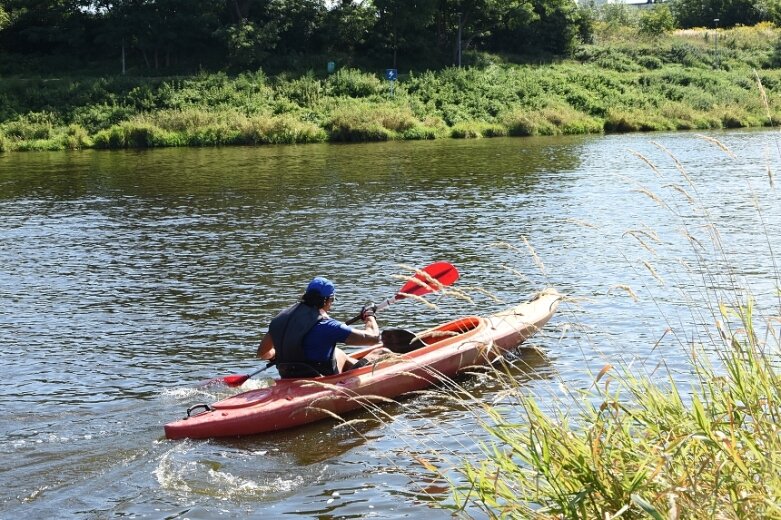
{"type": "Point", "coordinates": [238, 380]}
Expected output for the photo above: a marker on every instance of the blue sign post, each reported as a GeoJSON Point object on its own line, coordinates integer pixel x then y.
{"type": "Point", "coordinates": [391, 75]}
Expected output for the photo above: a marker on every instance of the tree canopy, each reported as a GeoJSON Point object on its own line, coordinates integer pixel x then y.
{"type": "Point", "coordinates": [184, 36]}
{"type": "Point", "coordinates": [175, 36]}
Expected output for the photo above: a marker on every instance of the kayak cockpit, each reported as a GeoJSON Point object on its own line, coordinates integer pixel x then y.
{"type": "Point", "coordinates": [457, 331]}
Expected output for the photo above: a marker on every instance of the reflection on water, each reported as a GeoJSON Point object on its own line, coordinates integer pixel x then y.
{"type": "Point", "coordinates": [126, 278]}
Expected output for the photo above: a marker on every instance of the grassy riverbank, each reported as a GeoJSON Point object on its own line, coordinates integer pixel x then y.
{"type": "Point", "coordinates": [681, 81]}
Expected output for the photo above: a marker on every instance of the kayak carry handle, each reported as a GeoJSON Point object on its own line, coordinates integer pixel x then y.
{"type": "Point", "coordinates": [206, 408]}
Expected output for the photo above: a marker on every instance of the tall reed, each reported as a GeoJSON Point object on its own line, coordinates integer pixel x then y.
{"type": "Point", "coordinates": [649, 444]}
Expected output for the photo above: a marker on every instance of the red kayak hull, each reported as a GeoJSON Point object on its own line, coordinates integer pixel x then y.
{"type": "Point", "coordinates": [448, 349]}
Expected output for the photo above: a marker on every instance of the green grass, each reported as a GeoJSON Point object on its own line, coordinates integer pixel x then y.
{"type": "Point", "coordinates": [642, 448]}
{"type": "Point", "coordinates": [679, 81]}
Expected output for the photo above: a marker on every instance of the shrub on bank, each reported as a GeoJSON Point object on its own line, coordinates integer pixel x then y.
{"type": "Point", "coordinates": [477, 129]}
{"type": "Point", "coordinates": [636, 120]}
{"type": "Point", "coordinates": [551, 120]}
{"type": "Point", "coordinates": [684, 117]}
{"type": "Point", "coordinates": [356, 121]}
{"type": "Point", "coordinates": [280, 130]}
{"type": "Point", "coordinates": [76, 138]}
{"type": "Point", "coordinates": [354, 83]}
{"type": "Point", "coordinates": [33, 126]}
{"type": "Point", "coordinates": [139, 134]}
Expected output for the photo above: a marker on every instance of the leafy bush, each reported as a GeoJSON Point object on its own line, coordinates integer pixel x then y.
{"type": "Point", "coordinates": [306, 91]}
{"type": "Point", "coordinates": [420, 133]}
{"type": "Point", "coordinates": [280, 130]}
{"type": "Point", "coordinates": [134, 135]}
{"type": "Point", "coordinates": [552, 120]}
{"type": "Point", "coordinates": [635, 120]}
{"type": "Point", "coordinates": [77, 138]}
{"type": "Point", "coordinates": [31, 126]}
{"type": "Point", "coordinates": [100, 116]}
{"type": "Point", "coordinates": [354, 83]}
{"type": "Point", "coordinates": [657, 20]}
{"type": "Point", "coordinates": [362, 122]}
{"type": "Point", "coordinates": [477, 129]}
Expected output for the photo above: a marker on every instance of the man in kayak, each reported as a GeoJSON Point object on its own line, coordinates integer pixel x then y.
{"type": "Point", "coordinates": [302, 339]}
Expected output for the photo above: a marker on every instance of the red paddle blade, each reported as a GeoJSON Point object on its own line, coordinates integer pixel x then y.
{"type": "Point", "coordinates": [235, 380]}
{"type": "Point", "coordinates": [429, 279]}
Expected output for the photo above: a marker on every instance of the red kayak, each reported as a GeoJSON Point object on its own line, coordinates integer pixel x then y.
{"type": "Point", "coordinates": [438, 353]}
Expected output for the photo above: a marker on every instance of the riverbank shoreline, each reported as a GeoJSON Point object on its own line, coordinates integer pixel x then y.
{"type": "Point", "coordinates": [680, 81]}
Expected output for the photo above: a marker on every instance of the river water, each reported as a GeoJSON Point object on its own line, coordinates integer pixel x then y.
{"type": "Point", "coordinates": [126, 278]}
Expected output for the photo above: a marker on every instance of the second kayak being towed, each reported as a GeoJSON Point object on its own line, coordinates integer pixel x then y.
{"type": "Point", "coordinates": [444, 351]}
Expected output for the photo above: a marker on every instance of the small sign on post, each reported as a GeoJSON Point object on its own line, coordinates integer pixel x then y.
{"type": "Point", "coordinates": [391, 75]}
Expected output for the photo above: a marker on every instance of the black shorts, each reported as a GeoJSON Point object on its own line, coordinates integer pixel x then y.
{"type": "Point", "coordinates": [308, 369]}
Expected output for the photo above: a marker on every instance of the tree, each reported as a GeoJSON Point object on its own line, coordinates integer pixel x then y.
{"type": "Point", "coordinates": [302, 28]}
{"type": "Point", "coordinates": [44, 26]}
{"type": "Point", "coordinates": [163, 32]}
{"type": "Point", "coordinates": [551, 26]}
{"type": "Point", "coordinates": [558, 27]}
{"type": "Point", "coordinates": [657, 20]}
{"type": "Point", "coordinates": [702, 13]}
{"type": "Point", "coordinates": [469, 21]}
{"type": "Point", "coordinates": [405, 26]}
{"type": "Point", "coordinates": [348, 26]}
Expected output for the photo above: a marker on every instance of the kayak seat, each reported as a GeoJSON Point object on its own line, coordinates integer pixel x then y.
{"type": "Point", "coordinates": [400, 341]}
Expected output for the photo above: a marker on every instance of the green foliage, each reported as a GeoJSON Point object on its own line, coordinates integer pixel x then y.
{"type": "Point", "coordinates": [4, 18]}
{"type": "Point", "coordinates": [477, 129]}
{"type": "Point", "coordinates": [420, 133]}
{"type": "Point", "coordinates": [249, 42]}
{"type": "Point", "coordinates": [635, 120]}
{"type": "Point", "coordinates": [657, 20]}
{"type": "Point", "coordinates": [553, 120]}
{"type": "Point", "coordinates": [101, 116]}
{"type": "Point", "coordinates": [280, 130]}
{"type": "Point", "coordinates": [702, 13]}
{"type": "Point", "coordinates": [354, 83]}
{"type": "Point", "coordinates": [134, 135]}
{"type": "Point", "coordinates": [640, 84]}
{"type": "Point", "coordinates": [31, 126]}
{"type": "Point", "coordinates": [364, 122]}
{"type": "Point", "coordinates": [306, 91]}
{"type": "Point", "coordinates": [614, 22]}
{"type": "Point", "coordinates": [76, 138]}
